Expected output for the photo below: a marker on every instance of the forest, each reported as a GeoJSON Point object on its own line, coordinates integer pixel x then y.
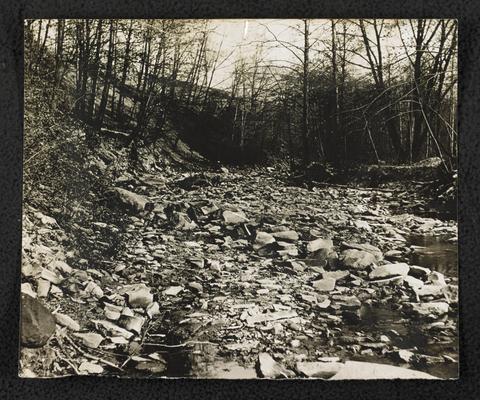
{"type": "Point", "coordinates": [240, 198]}
{"type": "Point", "coordinates": [341, 92]}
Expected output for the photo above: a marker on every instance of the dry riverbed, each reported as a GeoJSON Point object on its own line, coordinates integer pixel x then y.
{"type": "Point", "coordinates": [239, 275]}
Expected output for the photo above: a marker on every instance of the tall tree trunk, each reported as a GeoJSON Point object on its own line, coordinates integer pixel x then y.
{"type": "Point", "coordinates": [95, 72]}
{"type": "Point", "coordinates": [59, 50]}
{"type": "Point", "coordinates": [123, 80]}
{"type": "Point", "coordinates": [305, 90]}
{"type": "Point", "coordinates": [80, 49]}
{"type": "Point", "coordinates": [85, 69]}
{"type": "Point", "coordinates": [335, 116]}
{"type": "Point", "coordinates": [106, 84]}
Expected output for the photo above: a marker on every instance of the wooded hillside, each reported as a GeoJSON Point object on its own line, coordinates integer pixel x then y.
{"type": "Point", "coordinates": [342, 91]}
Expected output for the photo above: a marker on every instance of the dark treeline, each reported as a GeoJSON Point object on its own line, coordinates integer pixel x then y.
{"type": "Point", "coordinates": [365, 91]}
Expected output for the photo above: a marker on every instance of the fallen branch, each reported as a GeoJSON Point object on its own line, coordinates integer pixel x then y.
{"type": "Point", "coordinates": [59, 356]}
{"type": "Point", "coordinates": [91, 357]}
{"type": "Point", "coordinates": [189, 342]}
{"type": "Point", "coordinates": [66, 358]}
{"type": "Point", "coordinates": [354, 188]}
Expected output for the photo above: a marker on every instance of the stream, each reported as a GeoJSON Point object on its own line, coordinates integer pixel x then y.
{"type": "Point", "coordinates": [245, 300]}
{"type": "Point", "coordinates": [435, 253]}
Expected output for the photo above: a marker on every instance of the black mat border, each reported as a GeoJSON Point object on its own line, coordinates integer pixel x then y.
{"type": "Point", "coordinates": [11, 99]}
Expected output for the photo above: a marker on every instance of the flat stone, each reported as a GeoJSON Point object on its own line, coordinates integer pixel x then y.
{"type": "Point", "coordinates": [26, 288]}
{"type": "Point", "coordinates": [233, 218]}
{"type": "Point", "coordinates": [293, 252]}
{"type": "Point", "coordinates": [337, 275]}
{"type": "Point", "coordinates": [318, 369]}
{"type": "Point", "coordinates": [43, 287]}
{"type": "Point", "coordinates": [115, 329]}
{"type": "Point", "coordinates": [362, 225]}
{"type": "Point", "coordinates": [388, 270]}
{"type": "Point", "coordinates": [251, 320]}
{"type": "Point", "coordinates": [297, 266]}
{"type": "Point", "coordinates": [430, 290]}
{"type": "Point", "coordinates": [206, 210]}
{"type": "Point", "coordinates": [62, 266]}
{"type": "Point", "coordinates": [324, 285]}
{"type": "Point", "coordinates": [197, 262]}
{"type": "Point", "coordinates": [132, 323]}
{"type": "Point", "coordinates": [94, 289]}
{"type": "Point", "coordinates": [153, 309]}
{"type": "Point", "coordinates": [67, 321]}
{"type": "Point", "coordinates": [50, 276]}
{"type": "Point", "coordinates": [323, 303]}
{"type": "Point", "coordinates": [195, 287]}
{"type": "Point", "coordinates": [414, 283]}
{"type": "Point", "coordinates": [232, 370]}
{"type": "Point", "coordinates": [348, 302]}
{"type": "Point", "coordinates": [90, 368]}
{"type": "Point", "coordinates": [404, 355]}
{"type": "Point", "coordinates": [184, 222]}
{"type": "Point", "coordinates": [393, 255]}
{"type": "Point", "coordinates": [173, 290]}
{"type": "Point", "coordinates": [112, 312]}
{"type": "Point", "coordinates": [397, 280]}
{"type": "Point", "coordinates": [90, 339]}
{"type": "Point", "coordinates": [358, 370]}
{"type": "Point", "coordinates": [309, 298]}
{"type": "Point", "coordinates": [290, 236]}
{"type": "Point", "coordinates": [320, 244]}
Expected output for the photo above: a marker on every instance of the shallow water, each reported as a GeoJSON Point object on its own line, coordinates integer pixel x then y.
{"type": "Point", "coordinates": [376, 319]}
{"type": "Point", "coordinates": [435, 253]}
{"type": "Point", "coordinates": [439, 255]}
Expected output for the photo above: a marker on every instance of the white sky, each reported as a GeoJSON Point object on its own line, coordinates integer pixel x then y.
{"type": "Point", "coordinates": [243, 35]}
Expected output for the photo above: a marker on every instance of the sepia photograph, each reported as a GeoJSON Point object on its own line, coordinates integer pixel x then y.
{"type": "Point", "coordinates": [240, 199]}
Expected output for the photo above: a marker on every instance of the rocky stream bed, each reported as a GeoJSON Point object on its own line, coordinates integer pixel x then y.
{"type": "Point", "coordinates": [237, 274]}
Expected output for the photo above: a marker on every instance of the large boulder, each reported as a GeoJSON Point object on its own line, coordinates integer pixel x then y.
{"type": "Point", "coordinates": [130, 200]}
{"type": "Point", "coordinates": [269, 368]}
{"type": "Point", "coordinates": [324, 285]}
{"type": "Point", "coordinates": [318, 369]}
{"type": "Point", "coordinates": [138, 295]}
{"type": "Point", "coordinates": [357, 259]}
{"type": "Point", "coordinates": [289, 236]}
{"type": "Point", "coordinates": [262, 239]}
{"type": "Point", "coordinates": [388, 270]}
{"type": "Point", "coordinates": [37, 323]}
{"type": "Point", "coordinates": [365, 247]}
{"type": "Point", "coordinates": [434, 309]}
{"type": "Point", "coordinates": [320, 244]}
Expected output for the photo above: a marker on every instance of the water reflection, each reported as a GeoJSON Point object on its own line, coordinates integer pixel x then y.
{"type": "Point", "coordinates": [411, 335]}
{"type": "Point", "coordinates": [434, 252]}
